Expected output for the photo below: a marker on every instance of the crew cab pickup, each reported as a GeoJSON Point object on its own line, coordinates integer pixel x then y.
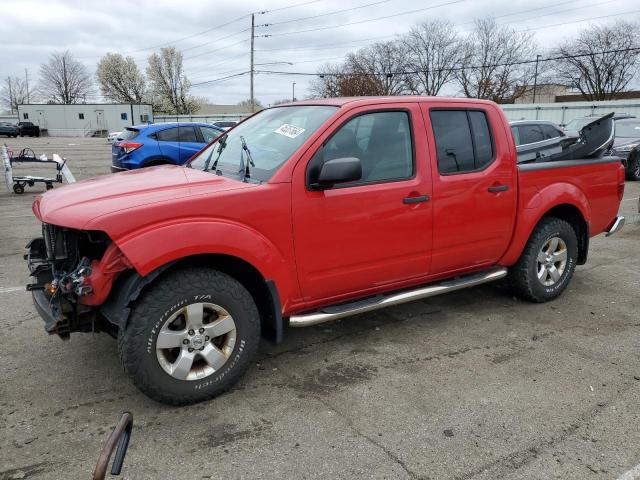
{"type": "Point", "coordinates": [305, 213]}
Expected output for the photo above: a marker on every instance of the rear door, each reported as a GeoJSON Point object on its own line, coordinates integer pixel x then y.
{"type": "Point", "coordinates": [168, 143]}
{"type": "Point", "coordinates": [190, 142]}
{"type": "Point", "coordinates": [474, 185]}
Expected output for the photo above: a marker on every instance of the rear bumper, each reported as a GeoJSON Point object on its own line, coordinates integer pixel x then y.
{"type": "Point", "coordinates": [616, 226]}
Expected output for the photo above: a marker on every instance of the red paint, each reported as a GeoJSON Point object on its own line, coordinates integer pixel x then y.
{"type": "Point", "coordinates": [321, 247]}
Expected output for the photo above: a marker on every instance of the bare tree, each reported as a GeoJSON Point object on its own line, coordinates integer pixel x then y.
{"type": "Point", "coordinates": [337, 80]}
{"type": "Point", "coordinates": [602, 61]}
{"type": "Point", "coordinates": [257, 105]}
{"type": "Point", "coordinates": [63, 79]}
{"type": "Point", "coordinates": [383, 63]}
{"type": "Point", "coordinates": [492, 66]}
{"type": "Point", "coordinates": [120, 79]}
{"type": "Point", "coordinates": [326, 85]}
{"type": "Point", "coordinates": [169, 85]}
{"type": "Point", "coordinates": [433, 51]}
{"type": "Point", "coordinates": [14, 92]}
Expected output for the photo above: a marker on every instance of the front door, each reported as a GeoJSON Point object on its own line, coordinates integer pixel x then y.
{"type": "Point", "coordinates": [373, 232]}
{"type": "Point", "coordinates": [474, 186]}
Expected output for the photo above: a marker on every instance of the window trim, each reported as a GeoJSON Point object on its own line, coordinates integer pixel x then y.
{"type": "Point", "coordinates": [375, 182]}
{"type": "Point", "coordinates": [473, 141]}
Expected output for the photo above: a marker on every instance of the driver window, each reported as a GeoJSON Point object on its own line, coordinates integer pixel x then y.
{"type": "Point", "coordinates": [381, 140]}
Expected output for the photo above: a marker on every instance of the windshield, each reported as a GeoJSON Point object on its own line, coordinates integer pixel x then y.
{"type": "Point", "coordinates": [271, 136]}
{"type": "Point", "coordinates": [577, 123]}
{"type": "Point", "coordinates": [628, 129]}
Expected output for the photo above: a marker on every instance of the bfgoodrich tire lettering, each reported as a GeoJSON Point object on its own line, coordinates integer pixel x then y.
{"type": "Point", "coordinates": [163, 301]}
{"type": "Point", "coordinates": [524, 276]}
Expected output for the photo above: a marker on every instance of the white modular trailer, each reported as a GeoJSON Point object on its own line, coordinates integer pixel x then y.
{"type": "Point", "coordinates": [562, 113]}
{"type": "Point", "coordinates": [84, 119]}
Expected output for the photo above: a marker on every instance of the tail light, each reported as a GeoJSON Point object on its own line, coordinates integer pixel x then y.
{"type": "Point", "coordinates": [129, 147]}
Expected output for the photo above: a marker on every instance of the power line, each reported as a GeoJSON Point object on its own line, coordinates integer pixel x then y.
{"type": "Point", "coordinates": [207, 82]}
{"type": "Point", "coordinates": [291, 6]}
{"type": "Point", "coordinates": [335, 12]}
{"type": "Point", "coordinates": [578, 21]}
{"type": "Point", "coordinates": [364, 21]}
{"type": "Point", "coordinates": [452, 69]}
{"type": "Point", "coordinates": [215, 50]}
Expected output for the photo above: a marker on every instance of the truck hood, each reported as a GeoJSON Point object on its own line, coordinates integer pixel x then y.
{"type": "Point", "coordinates": [76, 204]}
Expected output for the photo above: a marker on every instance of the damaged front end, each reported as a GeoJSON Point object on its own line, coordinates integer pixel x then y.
{"type": "Point", "coordinates": [73, 271]}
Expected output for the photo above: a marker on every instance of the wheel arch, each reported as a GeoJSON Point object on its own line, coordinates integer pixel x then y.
{"type": "Point", "coordinates": [571, 205]}
{"type": "Point", "coordinates": [128, 287]}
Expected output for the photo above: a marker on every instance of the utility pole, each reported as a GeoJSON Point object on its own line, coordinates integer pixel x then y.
{"type": "Point", "coordinates": [10, 94]}
{"type": "Point", "coordinates": [253, 35]}
{"type": "Point", "coordinates": [26, 79]}
{"type": "Point", "coordinates": [535, 79]}
{"type": "Point", "coordinates": [293, 92]}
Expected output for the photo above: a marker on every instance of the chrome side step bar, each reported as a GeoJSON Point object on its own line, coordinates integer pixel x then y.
{"type": "Point", "coordinates": [617, 226]}
{"type": "Point", "coordinates": [327, 314]}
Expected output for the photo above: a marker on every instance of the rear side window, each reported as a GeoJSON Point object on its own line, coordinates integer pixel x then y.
{"type": "Point", "coordinates": [531, 134]}
{"type": "Point", "coordinates": [549, 131]}
{"type": "Point", "coordinates": [168, 135]}
{"type": "Point", "coordinates": [129, 134]}
{"type": "Point", "coordinates": [188, 134]}
{"type": "Point", "coordinates": [209, 133]}
{"type": "Point", "coordinates": [463, 140]}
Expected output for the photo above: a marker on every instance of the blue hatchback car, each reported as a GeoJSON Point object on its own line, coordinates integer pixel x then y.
{"type": "Point", "coordinates": [160, 143]}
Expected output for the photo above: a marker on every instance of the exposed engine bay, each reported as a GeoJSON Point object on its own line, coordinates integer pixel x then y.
{"type": "Point", "coordinates": [73, 271]}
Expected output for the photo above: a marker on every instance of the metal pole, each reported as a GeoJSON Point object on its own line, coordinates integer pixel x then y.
{"type": "Point", "coordinates": [10, 94]}
{"type": "Point", "coordinates": [293, 92]}
{"type": "Point", "coordinates": [253, 27]}
{"type": "Point", "coordinates": [26, 79]}
{"type": "Point", "coordinates": [535, 79]}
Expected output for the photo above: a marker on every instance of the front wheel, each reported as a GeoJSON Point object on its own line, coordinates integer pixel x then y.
{"type": "Point", "coordinates": [190, 336]}
{"type": "Point", "coordinates": [547, 263]}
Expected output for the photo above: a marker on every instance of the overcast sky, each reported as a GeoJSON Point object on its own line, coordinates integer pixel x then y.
{"type": "Point", "coordinates": [32, 29]}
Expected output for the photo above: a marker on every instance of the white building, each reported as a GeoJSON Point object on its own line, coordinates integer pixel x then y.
{"type": "Point", "coordinates": [84, 119]}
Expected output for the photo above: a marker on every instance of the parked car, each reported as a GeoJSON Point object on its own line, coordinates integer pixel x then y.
{"type": "Point", "coordinates": [159, 144]}
{"type": "Point", "coordinates": [573, 127]}
{"type": "Point", "coordinates": [226, 124]}
{"type": "Point", "coordinates": [29, 129]}
{"type": "Point", "coordinates": [113, 136]}
{"type": "Point", "coordinates": [535, 138]}
{"type": "Point", "coordinates": [303, 214]}
{"type": "Point", "coordinates": [627, 146]}
{"type": "Point", "coordinates": [9, 129]}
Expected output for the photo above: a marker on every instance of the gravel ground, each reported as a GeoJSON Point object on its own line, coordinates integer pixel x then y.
{"type": "Point", "coordinates": [469, 385]}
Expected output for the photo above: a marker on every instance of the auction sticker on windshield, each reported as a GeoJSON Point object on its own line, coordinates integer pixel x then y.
{"type": "Point", "coordinates": [290, 131]}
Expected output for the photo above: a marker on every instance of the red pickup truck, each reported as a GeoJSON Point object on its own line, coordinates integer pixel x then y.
{"type": "Point", "coordinates": [306, 213]}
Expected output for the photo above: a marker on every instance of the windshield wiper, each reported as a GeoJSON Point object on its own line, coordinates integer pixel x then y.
{"type": "Point", "coordinates": [244, 167]}
{"type": "Point", "coordinates": [222, 143]}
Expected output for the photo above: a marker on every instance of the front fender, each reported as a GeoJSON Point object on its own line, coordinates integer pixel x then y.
{"type": "Point", "coordinates": [160, 244]}
{"type": "Point", "coordinates": [536, 207]}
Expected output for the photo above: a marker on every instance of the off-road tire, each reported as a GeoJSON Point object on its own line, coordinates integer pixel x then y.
{"type": "Point", "coordinates": [523, 276]}
{"type": "Point", "coordinates": [633, 167]}
{"type": "Point", "coordinates": [162, 298]}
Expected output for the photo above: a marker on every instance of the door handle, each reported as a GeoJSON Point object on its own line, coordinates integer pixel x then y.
{"type": "Point", "coordinates": [498, 188]}
{"type": "Point", "coordinates": [419, 199]}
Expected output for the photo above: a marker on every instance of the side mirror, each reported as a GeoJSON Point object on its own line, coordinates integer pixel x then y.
{"type": "Point", "coordinates": [338, 170]}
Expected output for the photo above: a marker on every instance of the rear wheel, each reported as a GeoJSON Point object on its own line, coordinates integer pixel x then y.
{"type": "Point", "coordinates": [190, 337]}
{"type": "Point", "coordinates": [633, 168]}
{"type": "Point", "coordinates": [547, 263]}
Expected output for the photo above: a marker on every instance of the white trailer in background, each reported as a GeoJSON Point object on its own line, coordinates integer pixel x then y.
{"type": "Point", "coordinates": [84, 119]}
